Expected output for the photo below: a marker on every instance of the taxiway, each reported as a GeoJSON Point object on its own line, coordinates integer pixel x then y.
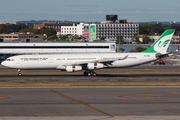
{"type": "Point", "coordinates": [92, 102]}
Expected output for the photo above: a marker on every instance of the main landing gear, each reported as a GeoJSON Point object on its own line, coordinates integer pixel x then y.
{"type": "Point", "coordinates": [90, 73]}
{"type": "Point", "coordinates": [19, 72]}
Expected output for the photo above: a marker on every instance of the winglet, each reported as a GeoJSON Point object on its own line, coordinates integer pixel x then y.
{"type": "Point", "coordinates": [161, 45]}
{"type": "Point", "coordinates": [125, 57]}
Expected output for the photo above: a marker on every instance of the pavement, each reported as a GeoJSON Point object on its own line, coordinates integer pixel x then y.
{"type": "Point", "coordinates": [99, 77]}
{"type": "Point", "coordinates": [95, 118]}
{"type": "Point", "coordinates": [91, 103]}
{"type": "Point", "coordinates": [97, 103]}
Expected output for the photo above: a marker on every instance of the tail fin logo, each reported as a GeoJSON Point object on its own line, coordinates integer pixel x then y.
{"type": "Point", "coordinates": [163, 44]}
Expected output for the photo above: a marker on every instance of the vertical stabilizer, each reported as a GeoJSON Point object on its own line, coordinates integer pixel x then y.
{"type": "Point", "coordinates": [161, 45]}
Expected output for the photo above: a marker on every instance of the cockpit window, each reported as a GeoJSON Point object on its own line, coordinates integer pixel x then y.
{"type": "Point", "coordinates": [9, 59]}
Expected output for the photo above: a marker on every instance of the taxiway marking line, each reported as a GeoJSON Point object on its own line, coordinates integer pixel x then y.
{"type": "Point", "coordinates": [82, 103]}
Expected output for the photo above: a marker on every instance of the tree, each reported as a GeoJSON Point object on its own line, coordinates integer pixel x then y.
{"type": "Point", "coordinates": [121, 49]}
{"type": "Point", "coordinates": [63, 37]}
{"type": "Point", "coordinates": [138, 49]}
{"type": "Point", "coordinates": [145, 29]}
{"type": "Point", "coordinates": [2, 29]}
{"type": "Point", "coordinates": [102, 38]}
{"type": "Point", "coordinates": [119, 39]}
{"type": "Point", "coordinates": [145, 39]}
{"type": "Point", "coordinates": [176, 27]}
{"type": "Point", "coordinates": [135, 38]}
{"type": "Point", "coordinates": [157, 28]}
{"type": "Point", "coordinates": [78, 37]}
{"type": "Point", "coordinates": [70, 37]}
{"type": "Point", "coordinates": [50, 32]}
{"type": "Point", "coordinates": [15, 28]}
{"type": "Point", "coordinates": [28, 29]}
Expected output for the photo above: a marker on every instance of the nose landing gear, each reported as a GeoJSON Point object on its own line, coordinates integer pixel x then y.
{"type": "Point", "coordinates": [19, 72]}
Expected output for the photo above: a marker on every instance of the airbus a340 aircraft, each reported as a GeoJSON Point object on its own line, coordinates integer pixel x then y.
{"type": "Point", "coordinates": [91, 62]}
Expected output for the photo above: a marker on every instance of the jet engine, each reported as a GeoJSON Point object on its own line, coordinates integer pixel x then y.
{"type": "Point", "coordinates": [94, 66]}
{"type": "Point", "coordinates": [73, 68]}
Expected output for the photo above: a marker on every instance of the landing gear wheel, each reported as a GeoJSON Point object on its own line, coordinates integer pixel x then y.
{"type": "Point", "coordinates": [19, 72]}
{"type": "Point", "coordinates": [89, 74]}
{"type": "Point", "coordinates": [94, 74]}
{"type": "Point", "coordinates": [85, 73]}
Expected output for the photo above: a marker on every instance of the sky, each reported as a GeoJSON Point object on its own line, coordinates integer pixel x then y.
{"type": "Point", "coordinates": [90, 10]}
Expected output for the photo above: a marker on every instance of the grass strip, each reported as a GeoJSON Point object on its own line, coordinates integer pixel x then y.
{"type": "Point", "coordinates": [90, 83]}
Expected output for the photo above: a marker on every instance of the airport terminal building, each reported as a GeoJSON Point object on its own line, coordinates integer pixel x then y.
{"type": "Point", "coordinates": [11, 49]}
{"type": "Point", "coordinates": [108, 30]}
{"type": "Point", "coordinates": [111, 30]}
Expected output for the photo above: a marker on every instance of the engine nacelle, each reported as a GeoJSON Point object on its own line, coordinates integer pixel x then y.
{"type": "Point", "coordinates": [94, 66]}
{"type": "Point", "coordinates": [73, 68]}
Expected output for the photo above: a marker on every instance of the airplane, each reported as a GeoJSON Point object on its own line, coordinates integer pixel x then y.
{"type": "Point", "coordinates": [91, 62]}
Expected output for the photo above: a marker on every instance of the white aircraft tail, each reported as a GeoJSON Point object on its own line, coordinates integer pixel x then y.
{"type": "Point", "coordinates": [161, 45]}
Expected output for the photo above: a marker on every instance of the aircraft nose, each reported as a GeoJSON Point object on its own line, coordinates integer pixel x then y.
{"type": "Point", "coordinates": [3, 63]}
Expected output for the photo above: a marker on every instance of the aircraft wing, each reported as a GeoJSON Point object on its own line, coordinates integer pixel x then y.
{"type": "Point", "coordinates": [109, 61]}
{"type": "Point", "coordinates": [103, 61]}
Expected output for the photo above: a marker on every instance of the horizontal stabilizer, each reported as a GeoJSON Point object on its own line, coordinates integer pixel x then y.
{"type": "Point", "coordinates": [159, 55]}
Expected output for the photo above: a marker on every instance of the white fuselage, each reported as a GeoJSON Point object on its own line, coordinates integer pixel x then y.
{"type": "Point", "coordinates": [60, 61]}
